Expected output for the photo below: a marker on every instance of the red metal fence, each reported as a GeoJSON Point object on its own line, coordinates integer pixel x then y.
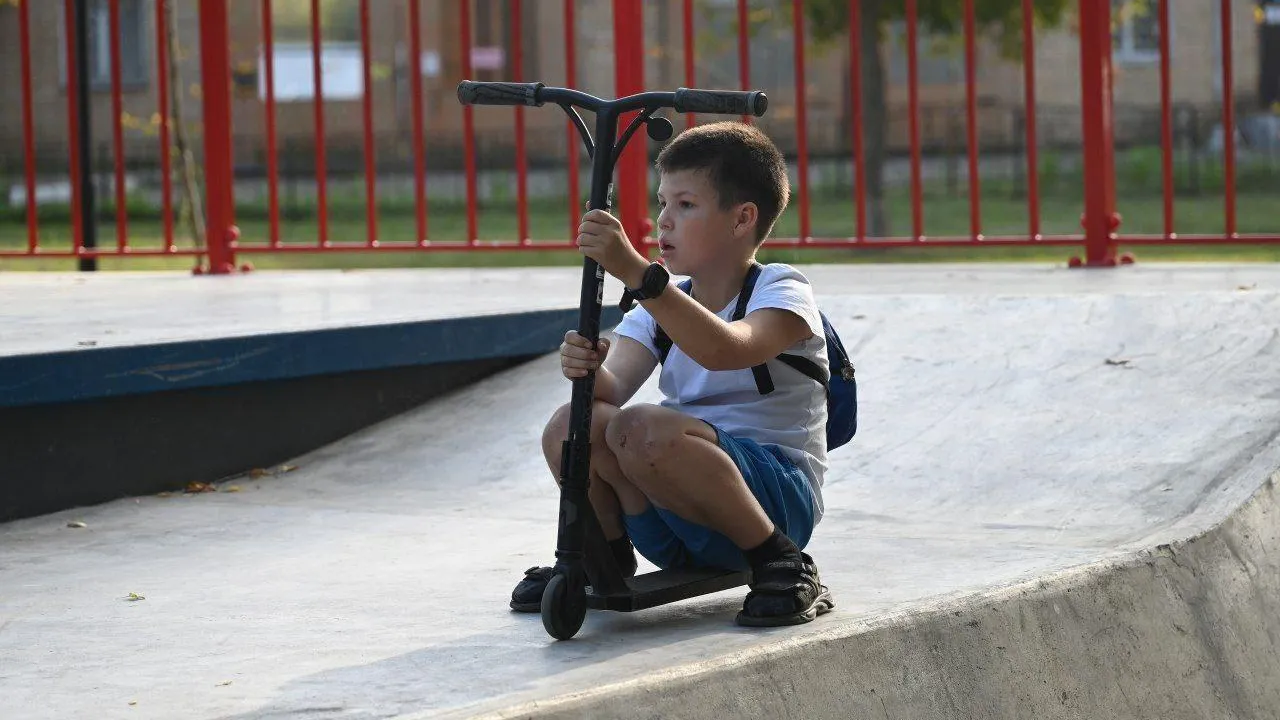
{"type": "Point", "coordinates": [1101, 225]}
{"type": "Point", "coordinates": [83, 235]}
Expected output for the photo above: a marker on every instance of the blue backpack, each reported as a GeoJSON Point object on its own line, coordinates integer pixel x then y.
{"type": "Point", "coordinates": [842, 388]}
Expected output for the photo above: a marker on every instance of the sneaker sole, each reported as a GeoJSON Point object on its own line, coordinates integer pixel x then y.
{"type": "Point", "coordinates": [526, 607]}
{"type": "Point", "coordinates": [822, 605]}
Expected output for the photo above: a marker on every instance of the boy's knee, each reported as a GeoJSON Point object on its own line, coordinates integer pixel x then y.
{"type": "Point", "coordinates": [557, 429]}
{"type": "Point", "coordinates": [638, 434]}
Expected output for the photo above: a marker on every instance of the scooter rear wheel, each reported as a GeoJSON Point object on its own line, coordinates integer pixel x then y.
{"type": "Point", "coordinates": [564, 607]}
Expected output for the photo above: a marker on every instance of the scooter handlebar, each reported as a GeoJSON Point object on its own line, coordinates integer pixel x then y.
{"type": "Point", "coordinates": [684, 100]}
{"type": "Point", "coordinates": [498, 93]}
{"type": "Point", "coordinates": [724, 102]}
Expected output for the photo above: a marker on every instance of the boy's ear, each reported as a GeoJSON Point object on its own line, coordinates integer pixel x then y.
{"type": "Point", "coordinates": [745, 218]}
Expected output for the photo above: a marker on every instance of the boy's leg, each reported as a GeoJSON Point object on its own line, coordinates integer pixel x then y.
{"type": "Point", "coordinates": [609, 492]}
{"type": "Point", "coordinates": [613, 495]}
{"type": "Point", "coordinates": [678, 462]}
{"type": "Point", "coordinates": [675, 460]}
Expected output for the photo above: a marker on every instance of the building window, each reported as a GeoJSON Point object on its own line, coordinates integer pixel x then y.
{"type": "Point", "coordinates": [491, 58]}
{"type": "Point", "coordinates": [133, 44]}
{"type": "Point", "coordinates": [1135, 30]}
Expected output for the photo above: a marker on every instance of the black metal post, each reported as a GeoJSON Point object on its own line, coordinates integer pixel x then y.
{"type": "Point", "coordinates": [88, 214]}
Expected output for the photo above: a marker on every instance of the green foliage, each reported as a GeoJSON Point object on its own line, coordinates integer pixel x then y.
{"type": "Point", "coordinates": [339, 19]}
{"type": "Point", "coordinates": [137, 207]}
{"type": "Point", "coordinates": [829, 19]}
{"type": "Point", "coordinates": [1140, 168]}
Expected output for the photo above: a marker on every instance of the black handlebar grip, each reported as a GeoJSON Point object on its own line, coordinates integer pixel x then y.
{"type": "Point", "coordinates": [724, 102]}
{"type": "Point", "coordinates": [498, 93]}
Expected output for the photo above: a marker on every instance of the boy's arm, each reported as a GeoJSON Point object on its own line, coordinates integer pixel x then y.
{"type": "Point", "coordinates": [709, 341]}
{"type": "Point", "coordinates": [625, 369]}
{"type": "Point", "coordinates": [718, 345]}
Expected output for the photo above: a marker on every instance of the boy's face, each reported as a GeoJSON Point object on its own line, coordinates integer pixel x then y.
{"type": "Point", "coordinates": [693, 231]}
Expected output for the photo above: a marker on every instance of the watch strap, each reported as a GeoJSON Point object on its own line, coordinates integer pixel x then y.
{"type": "Point", "coordinates": [655, 274]}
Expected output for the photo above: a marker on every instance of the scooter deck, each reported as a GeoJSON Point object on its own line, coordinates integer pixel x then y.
{"type": "Point", "coordinates": [667, 586]}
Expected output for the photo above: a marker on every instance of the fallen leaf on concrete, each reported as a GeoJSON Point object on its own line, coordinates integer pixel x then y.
{"type": "Point", "coordinates": [224, 684]}
{"type": "Point", "coordinates": [1120, 363]}
{"type": "Point", "coordinates": [1247, 287]}
{"type": "Point", "coordinates": [231, 488]}
{"type": "Point", "coordinates": [859, 317]}
{"type": "Point", "coordinates": [134, 597]}
{"type": "Point", "coordinates": [257, 473]}
{"type": "Point", "coordinates": [200, 487]}
{"type": "Point", "coordinates": [76, 524]}
{"type": "Point", "coordinates": [133, 702]}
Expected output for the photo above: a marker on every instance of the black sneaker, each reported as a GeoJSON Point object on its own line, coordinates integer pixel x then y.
{"type": "Point", "coordinates": [786, 591]}
{"type": "Point", "coordinates": [527, 596]}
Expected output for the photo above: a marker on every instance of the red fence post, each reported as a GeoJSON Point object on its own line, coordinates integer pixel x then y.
{"type": "Point", "coordinates": [633, 190]}
{"type": "Point", "coordinates": [215, 79]}
{"type": "Point", "coordinates": [1100, 220]}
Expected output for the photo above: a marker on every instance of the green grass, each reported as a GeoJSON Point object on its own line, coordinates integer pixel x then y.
{"type": "Point", "coordinates": [832, 215]}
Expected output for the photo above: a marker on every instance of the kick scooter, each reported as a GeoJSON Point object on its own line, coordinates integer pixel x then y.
{"type": "Point", "coordinates": [585, 574]}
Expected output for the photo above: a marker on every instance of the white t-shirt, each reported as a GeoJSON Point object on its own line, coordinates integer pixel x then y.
{"type": "Point", "coordinates": [792, 417]}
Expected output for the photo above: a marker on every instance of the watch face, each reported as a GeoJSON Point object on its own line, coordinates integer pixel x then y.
{"type": "Point", "coordinates": [655, 278]}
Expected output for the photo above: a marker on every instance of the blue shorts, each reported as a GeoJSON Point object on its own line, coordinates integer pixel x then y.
{"type": "Point", "coordinates": [667, 540]}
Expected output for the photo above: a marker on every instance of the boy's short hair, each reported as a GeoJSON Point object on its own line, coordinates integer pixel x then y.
{"type": "Point", "coordinates": [742, 164]}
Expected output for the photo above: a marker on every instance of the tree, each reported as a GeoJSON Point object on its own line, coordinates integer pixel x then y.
{"type": "Point", "coordinates": [192, 209]}
{"type": "Point", "coordinates": [829, 23]}
{"type": "Point", "coordinates": [339, 20]}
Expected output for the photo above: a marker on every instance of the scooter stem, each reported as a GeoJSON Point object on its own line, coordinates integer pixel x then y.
{"type": "Point", "coordinates": [577, 517]}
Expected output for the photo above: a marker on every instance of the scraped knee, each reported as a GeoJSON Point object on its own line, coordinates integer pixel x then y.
{"type": "Point", "coordinates": [641, 434]}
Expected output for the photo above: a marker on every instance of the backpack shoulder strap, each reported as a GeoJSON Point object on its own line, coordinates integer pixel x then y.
{"type": "Point", "coordinates": [748, 287]}
{"type": "Point", "coordinates": [660, 338]}
{"type": "Point", "coordinates": [808, 367]}
{"type": "Point", "coordinates": [764, 381]}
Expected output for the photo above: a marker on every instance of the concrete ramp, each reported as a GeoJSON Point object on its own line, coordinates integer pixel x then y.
{"type": "Point", "coordinates": [1184, 630]}
{"type": "Point", "coordinates": [1060, 504]}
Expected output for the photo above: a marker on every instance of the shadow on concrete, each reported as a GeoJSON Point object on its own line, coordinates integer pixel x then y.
{"type": "Point", "coordinates": [451, 678]}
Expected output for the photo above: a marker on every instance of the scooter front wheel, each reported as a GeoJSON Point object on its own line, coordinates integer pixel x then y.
{"type": "Point", "coordinates": [564, 607]}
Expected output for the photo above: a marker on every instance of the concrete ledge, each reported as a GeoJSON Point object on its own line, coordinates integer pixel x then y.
{"type": "Point", "coordinates": [89, 426]}
{"type": "Point", "coordinates": [1188, 629]}
{"type": "Point", "coordinates": [42, 378]}
{"type": "Point", "coordinates": [153, 397]}
{"type": "Point", "coordinates": [63, 455]}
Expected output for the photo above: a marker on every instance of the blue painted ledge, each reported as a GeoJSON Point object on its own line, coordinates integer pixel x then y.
{"type": "Point", "coordinates": [115, 371]}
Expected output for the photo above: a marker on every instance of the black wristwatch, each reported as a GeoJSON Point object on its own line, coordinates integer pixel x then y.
{"type": "Point", "coordinates": [654, 282]}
